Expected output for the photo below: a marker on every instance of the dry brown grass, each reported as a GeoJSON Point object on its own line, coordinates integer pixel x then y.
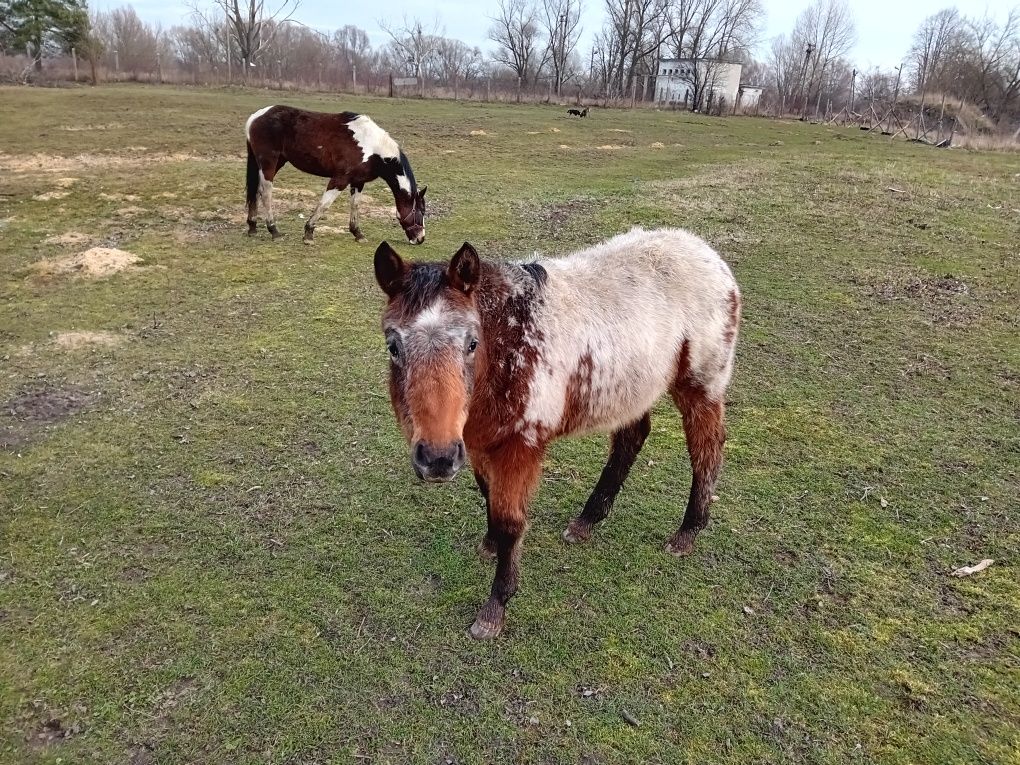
{"type": "Point", "coordinates": [985, 142]}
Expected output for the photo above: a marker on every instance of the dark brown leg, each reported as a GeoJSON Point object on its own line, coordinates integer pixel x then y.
{"type": "Point", "coordinates": [512, 476]}
{"type": "Point", "coordinates": [355, 221]}
{"type": "Point", "coordinates": [625, 445]}
{"type": "Point", "coordinates": [487, 547]}
{"type": "Point", "coordinates": [704, 426]}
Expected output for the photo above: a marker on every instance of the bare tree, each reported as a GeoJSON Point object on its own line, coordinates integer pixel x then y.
{"type": "Point", "coordinates": [253, 27]}
{"type": "Point", "coordinates": [930, 50]}
{"type": "Point", "coordinates": [561, 21]}
{"type": "Point", "coordinates": [515, 31]}
{"type": "Point", "coordinates": [416, 44]}
{"type": "Point", "coordinates": [456, 62]}
{"type": "Point", "coordinates": [827, 29]}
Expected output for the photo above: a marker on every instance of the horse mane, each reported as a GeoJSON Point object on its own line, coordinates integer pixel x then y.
{"type": "Point", "coordinates": [406, 166]}
{"type": "Point", "coordinates": [422, 285]}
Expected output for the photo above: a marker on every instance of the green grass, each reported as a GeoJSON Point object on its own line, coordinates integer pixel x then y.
{"type": "Point", "coordinates": [215, 552]}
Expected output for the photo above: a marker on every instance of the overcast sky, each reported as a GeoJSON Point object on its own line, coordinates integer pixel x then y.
{"type": "Point", "coordinates": [884, 27]}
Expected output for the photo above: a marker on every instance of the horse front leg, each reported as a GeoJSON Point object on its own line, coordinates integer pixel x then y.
{"type": "Point", "coordinates": [511, 477]}
{"type": "Point", "coordinates": [487, 547]}
{"type": "Point", "coordinates": [333, 189]}
{"type": "Point", "coordinates": [355, 222]}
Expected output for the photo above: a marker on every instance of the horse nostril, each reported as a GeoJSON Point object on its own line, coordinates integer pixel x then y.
{"type": "Point", "coordinates": [460, 453]}
{"type": "Point", "coordinates": [420, 454]}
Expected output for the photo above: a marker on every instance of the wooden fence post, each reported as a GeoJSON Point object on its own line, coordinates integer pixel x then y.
{"type": "Point", "coordinates": [391, 84]}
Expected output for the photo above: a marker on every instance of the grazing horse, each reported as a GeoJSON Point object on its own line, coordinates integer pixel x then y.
{"type": "Point", "coordinates": [495, 360]}
{"type": "Point", "coordinates": [348, 148]}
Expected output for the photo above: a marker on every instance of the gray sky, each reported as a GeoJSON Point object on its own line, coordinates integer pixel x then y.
{"type": "Point", "coordinates": [884, 27]}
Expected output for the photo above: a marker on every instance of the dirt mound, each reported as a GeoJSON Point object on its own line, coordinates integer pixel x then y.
{"type": "Point", "coordinates": [610, 147]}
{"type": "Point", "coordinates": [478, 132]}
{"type": "Point", "coordinates": [96, 263]}
{"type": "Point", "coordinates": [658, 145]}
{"type": "Point", "coordinates": [48, 195]}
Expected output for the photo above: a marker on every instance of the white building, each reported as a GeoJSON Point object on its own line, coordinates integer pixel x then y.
{"type": "Point", "coordinates": [748, 97]}
{"type": "Point", "coordinates": [678, 77]}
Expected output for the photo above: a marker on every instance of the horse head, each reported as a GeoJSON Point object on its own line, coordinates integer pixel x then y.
{"type": "Point", "coordinates": [432, 330]}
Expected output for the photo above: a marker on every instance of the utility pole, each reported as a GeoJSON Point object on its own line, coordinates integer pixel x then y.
{"type": "Point", "coordinates": [226, 29]}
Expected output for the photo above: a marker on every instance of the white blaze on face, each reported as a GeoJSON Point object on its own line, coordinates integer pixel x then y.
{"type": "Point", "coordinates": [252, 118]}
{"type": "Point", "coordinates": [372, 139]}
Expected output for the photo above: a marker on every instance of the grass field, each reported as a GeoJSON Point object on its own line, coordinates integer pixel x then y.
{"type": "Point", "coordinates": [212, 548]}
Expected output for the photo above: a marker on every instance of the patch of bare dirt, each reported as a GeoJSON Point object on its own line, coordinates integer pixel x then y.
{"type": "Point", "coordinates": [131, 211]}
{"type": "Point", "coordinates": [65, 183]}
{"type": "Point", "coordinates": [53, 732]}
{"type": "Point", "coordinates": [95, 263]}
{"type": "Point", "coordinates": [46, 196]}
{"type": "Point", "coordinates": [610, 147]}
{"type": "Point", "coordinates": [619, 130]}
{"type": "Point", "coordinates": [658, 145]}
{"type": "Point", "coordinates": [560, 220]}
{"type": "Point", "coordinates": [83, 128]}
{"type": "Point", "coordinates": [118, 197]}
{"type": "Point", "coordinates": [76, 339]}
{"type": "Point", "coordinates": [478, 132]}
{"type": "Point", "coordinates": [132, 157]}
{"type": "Point", "coordinates": [942, 299]}
{"type": "Point", "coordinates": [70, 237]}
{"type": "Point", "coordinates": [38, 408]}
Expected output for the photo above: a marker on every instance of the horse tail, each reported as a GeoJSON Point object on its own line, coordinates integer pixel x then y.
{"type": "Point", "coordinates": [253, 176]}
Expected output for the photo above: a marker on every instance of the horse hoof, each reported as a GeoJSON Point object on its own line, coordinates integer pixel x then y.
{"type": "Point", "coordinates": [482, 630]}
{"type": "Point", "coordinates": [680, 547]}
{"type": "Point", "coordinates": [576, 532]}
{"type": "Point", "coordinates": [361, 239]}
{"type": "Point", "coordinates": [306, 240]}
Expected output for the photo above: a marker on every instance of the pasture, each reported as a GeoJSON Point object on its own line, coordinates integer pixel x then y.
{"type": "Point", "coordinates": [213, 549]}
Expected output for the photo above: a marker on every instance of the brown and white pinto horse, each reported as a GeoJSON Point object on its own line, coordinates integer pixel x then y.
{"type": "Point", "coordinates": [495, 360]}
{"type": "Point", "coordinates": [348, 148]}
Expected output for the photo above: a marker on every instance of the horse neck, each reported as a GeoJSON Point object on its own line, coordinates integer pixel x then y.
{"type": "Point", "coordinates": [506, 298]}
{"type": "Point", "coordinates": [403, 199]}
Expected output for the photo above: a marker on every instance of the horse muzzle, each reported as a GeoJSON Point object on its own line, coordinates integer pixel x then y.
{"type": "Point", "coordinates": [438, 464]}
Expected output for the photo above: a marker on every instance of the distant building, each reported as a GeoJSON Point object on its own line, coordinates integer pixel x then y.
{"type": "Point", "coordinates": [748, 97]}
{"type": "Point", "coordinates": [679, 78]}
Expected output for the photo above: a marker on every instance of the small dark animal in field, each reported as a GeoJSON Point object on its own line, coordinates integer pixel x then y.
{"type": "Point", "coordinates": [577, 112]}
{"type": "Point", "coordinates": [348, 148]}
{"type": "Point", "coordinates": [493, 361]}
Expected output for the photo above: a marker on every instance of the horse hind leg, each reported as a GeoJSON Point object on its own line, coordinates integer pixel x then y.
{"type": "Point", "coordinates": [705, 429]}
{"type": "Point", "coordinates": [625, 445]}
{"type": "Point", "coordinates": [267, 174]}
{"type": "Point", "coordinates": [355, 222]}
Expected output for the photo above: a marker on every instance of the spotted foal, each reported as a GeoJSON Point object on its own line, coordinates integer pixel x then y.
{"type": "Point", "coordinates": [493, 361]}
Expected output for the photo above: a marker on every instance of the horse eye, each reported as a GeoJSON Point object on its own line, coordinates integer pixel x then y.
{"type": "Point", "coordinates": [472, 346]}
{"type": "Point", "coordinates": [394, 349]}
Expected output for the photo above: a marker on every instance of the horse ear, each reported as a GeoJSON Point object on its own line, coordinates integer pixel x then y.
{"type": "Point", "coordinates": [390, 269]}
{"type": "Point", "coordinates": [465, 268]}
{"type": "Point", "coordinates": [422, 191]}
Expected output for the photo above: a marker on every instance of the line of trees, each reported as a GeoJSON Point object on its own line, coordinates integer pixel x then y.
{"type": "Point", "coordinates": [536, 45]}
